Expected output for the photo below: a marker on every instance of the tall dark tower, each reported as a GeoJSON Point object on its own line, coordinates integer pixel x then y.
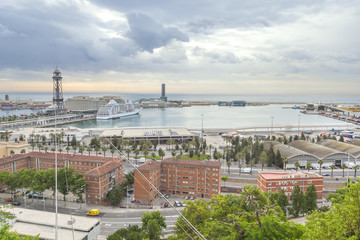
{"type": "Point", "coordinates": [163, 97]}
{"type": "Point", "coordinates": [58, 100]}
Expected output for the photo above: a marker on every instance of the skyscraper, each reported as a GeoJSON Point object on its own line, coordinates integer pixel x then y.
{"type": "Point", "coordinates": [163, 97]}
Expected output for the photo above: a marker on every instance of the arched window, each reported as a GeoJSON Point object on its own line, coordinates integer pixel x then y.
{"type": "Point", "coordinates": [22, 151]}
{"type": "Point", "coordinates": [12, 152]}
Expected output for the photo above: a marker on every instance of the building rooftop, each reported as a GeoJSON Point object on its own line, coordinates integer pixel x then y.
{"type": "Point", "coordinates": [341, 146]}
{"type": "Point", "coordinates": [149, 166]}
{"type": "Point", "coordinates": [33, 222]}
{"type": "Point", "coordinates": [313, 148]}
{"type": "Point", "coordinates": [282, 175]}
{"type": "Point", "coordinates": [285, 150]}
{"type": "Point", "coordinates": [204, 163]}
{"type": "Point", "coordinates": [104, 169]}
{"type": "Point", "coordinates": [148, 132]}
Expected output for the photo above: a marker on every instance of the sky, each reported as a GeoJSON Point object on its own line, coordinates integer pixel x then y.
{"type": "Point", "coordinates": [211, 47]}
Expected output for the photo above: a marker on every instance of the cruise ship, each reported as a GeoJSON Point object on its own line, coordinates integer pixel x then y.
{"type": "Point", "coordinates": [117, 110]}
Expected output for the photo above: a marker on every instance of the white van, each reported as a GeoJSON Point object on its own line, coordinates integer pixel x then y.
{"type": "Point", "coordinates": [246, 170]}
{"type": "Point", "coordinates": [141, 160]}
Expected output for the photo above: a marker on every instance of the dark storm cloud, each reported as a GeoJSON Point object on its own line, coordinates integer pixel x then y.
{"type": "Point", "coordinates": [149, 34]}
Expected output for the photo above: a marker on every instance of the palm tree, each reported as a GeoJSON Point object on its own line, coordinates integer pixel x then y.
{"type": "Point", "coordinates": [285, 162]}
{"type": "Point", "coordinates": [74, 147]}
{"type": "Point", "coordinates": [39, 146]}
{"type": "Point", "coordinates": [320, 162]}
{"type": "Point", "coordinates": [161, 153]}
{"type": "Point", "coordinates": [128, 151]}
{"type": "Point", "coordinates": [136, 152]}
{"type": "Point", "coordinates": [89, 150]}
{"type": "Point", "coordinates": [153, 155]}
{"type": "Point", "coordinates": [343, 167]}
{"type": "Point", "coordinates": [67, 149]}
{"type": "Point", "coordinates": [224, 178]}
{"type": "Point", "coordinates": [297, 165]}
{"type": "Point", "coordinates": [112, 152]}
{"type": "Point", "coordinates": [104, 149]}
{"type": "Point", "coordinates": [356, 168]}
{"type": "Point", "coordinates": [228, 163]}
{"type": "Point", "coordinates": [332, 169]}
{"type": "Point", "coordinates": [263, 159]}
{"type": "Point", "coordinates": [97, 148]}
{"type": "Point", "coordinates": [146, 152]}
{"type": "Point", "coordinates": [251, 162]}
{"type": "Point", "coordinates": [46, 149]}
{"type": "Point", "coordinates": [240, 166]}
{"type": "Point", "coordinates": [81, 150]}
{"type": "Point", "coordinates": [308, 166]}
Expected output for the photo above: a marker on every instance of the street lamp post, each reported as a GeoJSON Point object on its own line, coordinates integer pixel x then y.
{"type": "Point", "coordinates": [299, 126]}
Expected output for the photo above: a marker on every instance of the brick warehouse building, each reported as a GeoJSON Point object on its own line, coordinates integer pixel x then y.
{"type": "Point", "coordinates": [177, 176]}
{"type": "Point", "coordinates": [274, 182]}
{"type": "Point", "coordinates": [101, 173]}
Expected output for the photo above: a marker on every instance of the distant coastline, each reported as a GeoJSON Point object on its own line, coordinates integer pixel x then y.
{"type": "Point", "coordinates": [250, 98]}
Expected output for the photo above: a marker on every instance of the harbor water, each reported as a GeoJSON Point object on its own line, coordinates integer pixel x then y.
{"type": "Point", "coordinates": [214, 116]}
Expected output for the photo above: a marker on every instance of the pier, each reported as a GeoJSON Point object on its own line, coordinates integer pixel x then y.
{"type": "Point", "coordinates": [46, 121]}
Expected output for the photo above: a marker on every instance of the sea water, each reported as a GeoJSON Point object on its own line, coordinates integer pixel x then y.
{"type": "Point", "coordinates": [207, 116]}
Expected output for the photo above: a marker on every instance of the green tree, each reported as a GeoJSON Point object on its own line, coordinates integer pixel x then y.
{"type": "Point", "coordinates": [343, 166]}
{"type": "Point", "coordinates": [161, 153]}
{"type": "Point", "coordinates": [224, 179]}
{"type": "Point", "coordinates": [104, 149]}
{"type": "Point", "coordinates": [88, 150]}
{"type": "Point", "coordinates": [39, 182]}
{"type": "Point", "coordinates": [240, 166]}
{"type": "Point", "coordinates": [66, 180]}
{"type": "Point", "coordinates": [355, 169]}
{"type": "Point", "coordinates": [297, 204]}
{"type": "Point", "coordinates": [341, 222]}
{"type": "Point", "coordinates": [332, 170]}
{"type": "Point", "coordinates": [285, 162]}
{"type": "Point", "coordinates": [78, 188]}
{"type": "Point", "coordinates": [320, 162]}
{"type": "Point", "coordinates": [128, 151]}
{"type": "Point", "coordinates": [308, 166]}
{"type": "Point", "coordinates": [297, 165]}
{"type": "Point", "coordinates": [228, 164]}
{"type": "Point", "coordinates": [310, 199]}
{"type": "Point", "coordinates": [248, 215]}
{"type": "Point", "coordinates": [263, 159]}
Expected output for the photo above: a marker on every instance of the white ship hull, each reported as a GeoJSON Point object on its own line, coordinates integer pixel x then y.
{"type": "Point", "coordinates": [119, 115]}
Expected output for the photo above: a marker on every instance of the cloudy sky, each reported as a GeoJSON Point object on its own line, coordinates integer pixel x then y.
{"type": "Point", "coordinates": [230, 46]}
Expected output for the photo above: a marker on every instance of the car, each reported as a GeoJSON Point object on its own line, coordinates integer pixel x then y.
{"type": "Point", "coordinates": [183, 204]}
{"type": "Point", "coordinates": [16, 203]}
{"type": "Point", "coordinates": [35, 195]}
{"type": "Point", "coordinates": [187, 198]}
{"type": "Point", "coordinates": [326, 174]}
{"type": "Point", "coordinates": [133, 200]}
{"type": "Point", "coordinates": [9, 200]}
{"type": "Point", "coordinates": [131, 191]}
{"type": "Point", "coordinates": [192, 198]}
{"type": "Point", "coordinates": [166, 195]}
{"type": "Point", "coordinates": [93, 212]}
{"type": "Point", "coordinates": [166, 204]}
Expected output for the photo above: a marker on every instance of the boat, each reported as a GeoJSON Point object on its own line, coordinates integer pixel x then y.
{"type": "Point", "coordinates": [117, 110]}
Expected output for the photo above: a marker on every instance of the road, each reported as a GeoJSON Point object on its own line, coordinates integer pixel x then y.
{"type": "Point", "coordinates": [109, 221]}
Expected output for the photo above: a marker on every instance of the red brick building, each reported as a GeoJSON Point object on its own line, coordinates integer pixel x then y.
{"type": "Point", "coordinates": [102, 173]}
{"type": "Point", "coordinates": [274, 182]}
{"type": "Point", "coordinates": [195, 178]}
